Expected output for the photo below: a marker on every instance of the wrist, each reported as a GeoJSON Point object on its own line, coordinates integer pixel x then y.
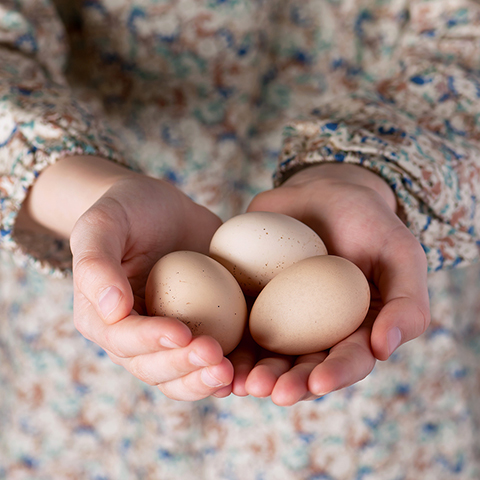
{"type": "Point", "coordinates": [346, 173]}
{"type": "Point", "coordinates": [65, 190]}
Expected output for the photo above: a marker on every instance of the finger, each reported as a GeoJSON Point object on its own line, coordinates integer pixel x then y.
{"type": "Point", "coordinates": [134, 335]}
{"type": "Point", "coordinates": [243, 359]}
{"type": "Point", "coordinates": [402, 281]}
{"type": "Point", "coordinates": [223, 391]}
{"type": "Point", "coordinates": [348, 362]}
{"type": "Point", "coordinates": [171, 364]}
{"type": "Point", "coordinates": [242, 368]}
{"type": "Point", "coordinates": [308, 397]}
{"type": "Point", "coordinates": [139, 305]}
{"type": "Point", "coordinates": [292, 386]}
{"type": "Point", "coordinates": [200, 383]}
{"type": "Point", "coordinates": [264, 375]}
{"type": "Point", "coordinates": [97, 244]}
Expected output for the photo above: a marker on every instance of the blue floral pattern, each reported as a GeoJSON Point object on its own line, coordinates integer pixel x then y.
{"type": "Point", "coordinates": [215, 96]}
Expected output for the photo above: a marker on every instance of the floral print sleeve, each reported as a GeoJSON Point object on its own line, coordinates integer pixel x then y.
{"type": "Point", "coordinates": [199, 92]}
{"type": "Point", "coordinates": [391, 85]}
{"type": "Point", "coordinates": [409, 112]}
{"type": "Point", "coordinates": [39, 120]}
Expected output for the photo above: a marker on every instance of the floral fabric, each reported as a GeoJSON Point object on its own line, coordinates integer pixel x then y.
{"type": "Point", "coordinates": [215, 96]}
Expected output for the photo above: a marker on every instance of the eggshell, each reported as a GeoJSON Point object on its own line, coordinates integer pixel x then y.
{"type": "Point", "coordinates": [256, 246]}
{"type": "Point", "coordinates": [310, 306]}
{"type": "Point", "coordinates": [200, 292]}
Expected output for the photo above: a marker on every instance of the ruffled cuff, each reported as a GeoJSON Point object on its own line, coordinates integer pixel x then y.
{"type": "Point", "coordinates": [436, 182]}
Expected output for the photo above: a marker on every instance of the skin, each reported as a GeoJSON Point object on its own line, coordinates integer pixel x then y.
{"type": "Point", "coordinates": [354, 212]}
{"type": "Point", "coordinates": [115, 241]}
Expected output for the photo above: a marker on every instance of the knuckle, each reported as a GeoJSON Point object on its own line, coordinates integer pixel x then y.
{"type": "Point", "coordinates": [408, 246]}
{"type": "Point", "coordinates": [149, 333]}
{"type": "Point", "coordinates": [419, 254]}
{"type": "Point", "coordinates": [138, 367]}
{"type": "Point", "coordinates": [86, 271]}
{"type": "Point", "coordinates": [85, 224]}
{"type": "Point", "coordinates": [102, 212]}
{"type": "Point", "coordinates": [116, 360]}
{"type": "Point", "coordinates": [83, 264]}
{"type": "Point", "coordinates": [163, 387]}
{"type": "Point", "coordinates": [404, 241]}
{"type": "Point", "coordinates": [102, 217]}
{"type": "Point", "coordinates": [183, 393]}
{"type": "Point", "coordinates": [426, 319]}
{"type": "Point", "coordinates": [110, 340]}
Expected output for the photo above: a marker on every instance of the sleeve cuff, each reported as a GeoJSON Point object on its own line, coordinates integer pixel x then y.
{"type": "Point", "coordinates": [435, 203]}
{"type": "Point", "coordinates": [28, 145]}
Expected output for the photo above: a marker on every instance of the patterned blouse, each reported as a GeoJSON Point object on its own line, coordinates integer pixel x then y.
{"type": "Point", "coordinates": [218, 96]}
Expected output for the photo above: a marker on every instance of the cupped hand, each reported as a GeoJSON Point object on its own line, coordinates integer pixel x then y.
{"type": "Point", "coordinates": [115, 243]}
{"type": "Point", "coordinates": [354, 212]}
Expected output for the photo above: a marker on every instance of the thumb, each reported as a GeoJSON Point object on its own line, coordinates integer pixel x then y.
{"type": "Point", "coordinates": [404, 288]}
{"type": "Point", "coordinates": [97, 244]}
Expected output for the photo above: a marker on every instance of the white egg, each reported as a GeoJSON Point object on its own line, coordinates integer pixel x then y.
{"type": "Point", "coordinates": [257, 246]}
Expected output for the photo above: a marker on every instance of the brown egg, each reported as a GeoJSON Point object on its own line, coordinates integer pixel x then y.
{"type": "Point", "coordinates": [201, 293]}
{"type": "Point", "coordinates": [256, 246]}
{"type": "Point", "coordinates": [310, 306]}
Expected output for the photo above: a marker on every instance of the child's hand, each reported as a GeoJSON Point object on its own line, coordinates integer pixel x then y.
{"type": "Point", "coordinates": [353, 211]}
{"type": "Point", "coordinates": [115, 243]}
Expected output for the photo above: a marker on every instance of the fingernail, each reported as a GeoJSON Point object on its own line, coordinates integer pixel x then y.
{"type": "Point", "coordinates": [321, 393]}
{"type": "Point", "coordinates": [195, 359]}
{"type": "Point", "coordinates": [166, 342]}
{"type": "Point", "coordinates": [109, 300]}
{"type": "Point", "coordinates": [394, 337]}
{"type": "Point", "coordinates": [209, 380]}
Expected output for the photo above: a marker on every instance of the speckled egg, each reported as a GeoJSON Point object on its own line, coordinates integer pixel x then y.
{"type": "Point", "coordinates": [310, 306]}
{"type": "Point", "coordinates": [257, 246]}
{"type": "Point", "coordinates": [200, 292]}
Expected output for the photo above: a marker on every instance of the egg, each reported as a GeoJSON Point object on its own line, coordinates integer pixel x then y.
{"type": "Point", "coordinates": [310, 306]}
{"type": "Point", "coordinates": [256, 246]}
{"type": "Point", "coordinates": [202, 293]}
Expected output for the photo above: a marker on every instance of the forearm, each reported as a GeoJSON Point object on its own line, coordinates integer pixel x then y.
{"type": "Point", "coordinates": [65, 190]}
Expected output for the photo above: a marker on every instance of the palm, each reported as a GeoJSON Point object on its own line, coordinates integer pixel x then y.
{"type": "Point", "coordinates": [355, 223]}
